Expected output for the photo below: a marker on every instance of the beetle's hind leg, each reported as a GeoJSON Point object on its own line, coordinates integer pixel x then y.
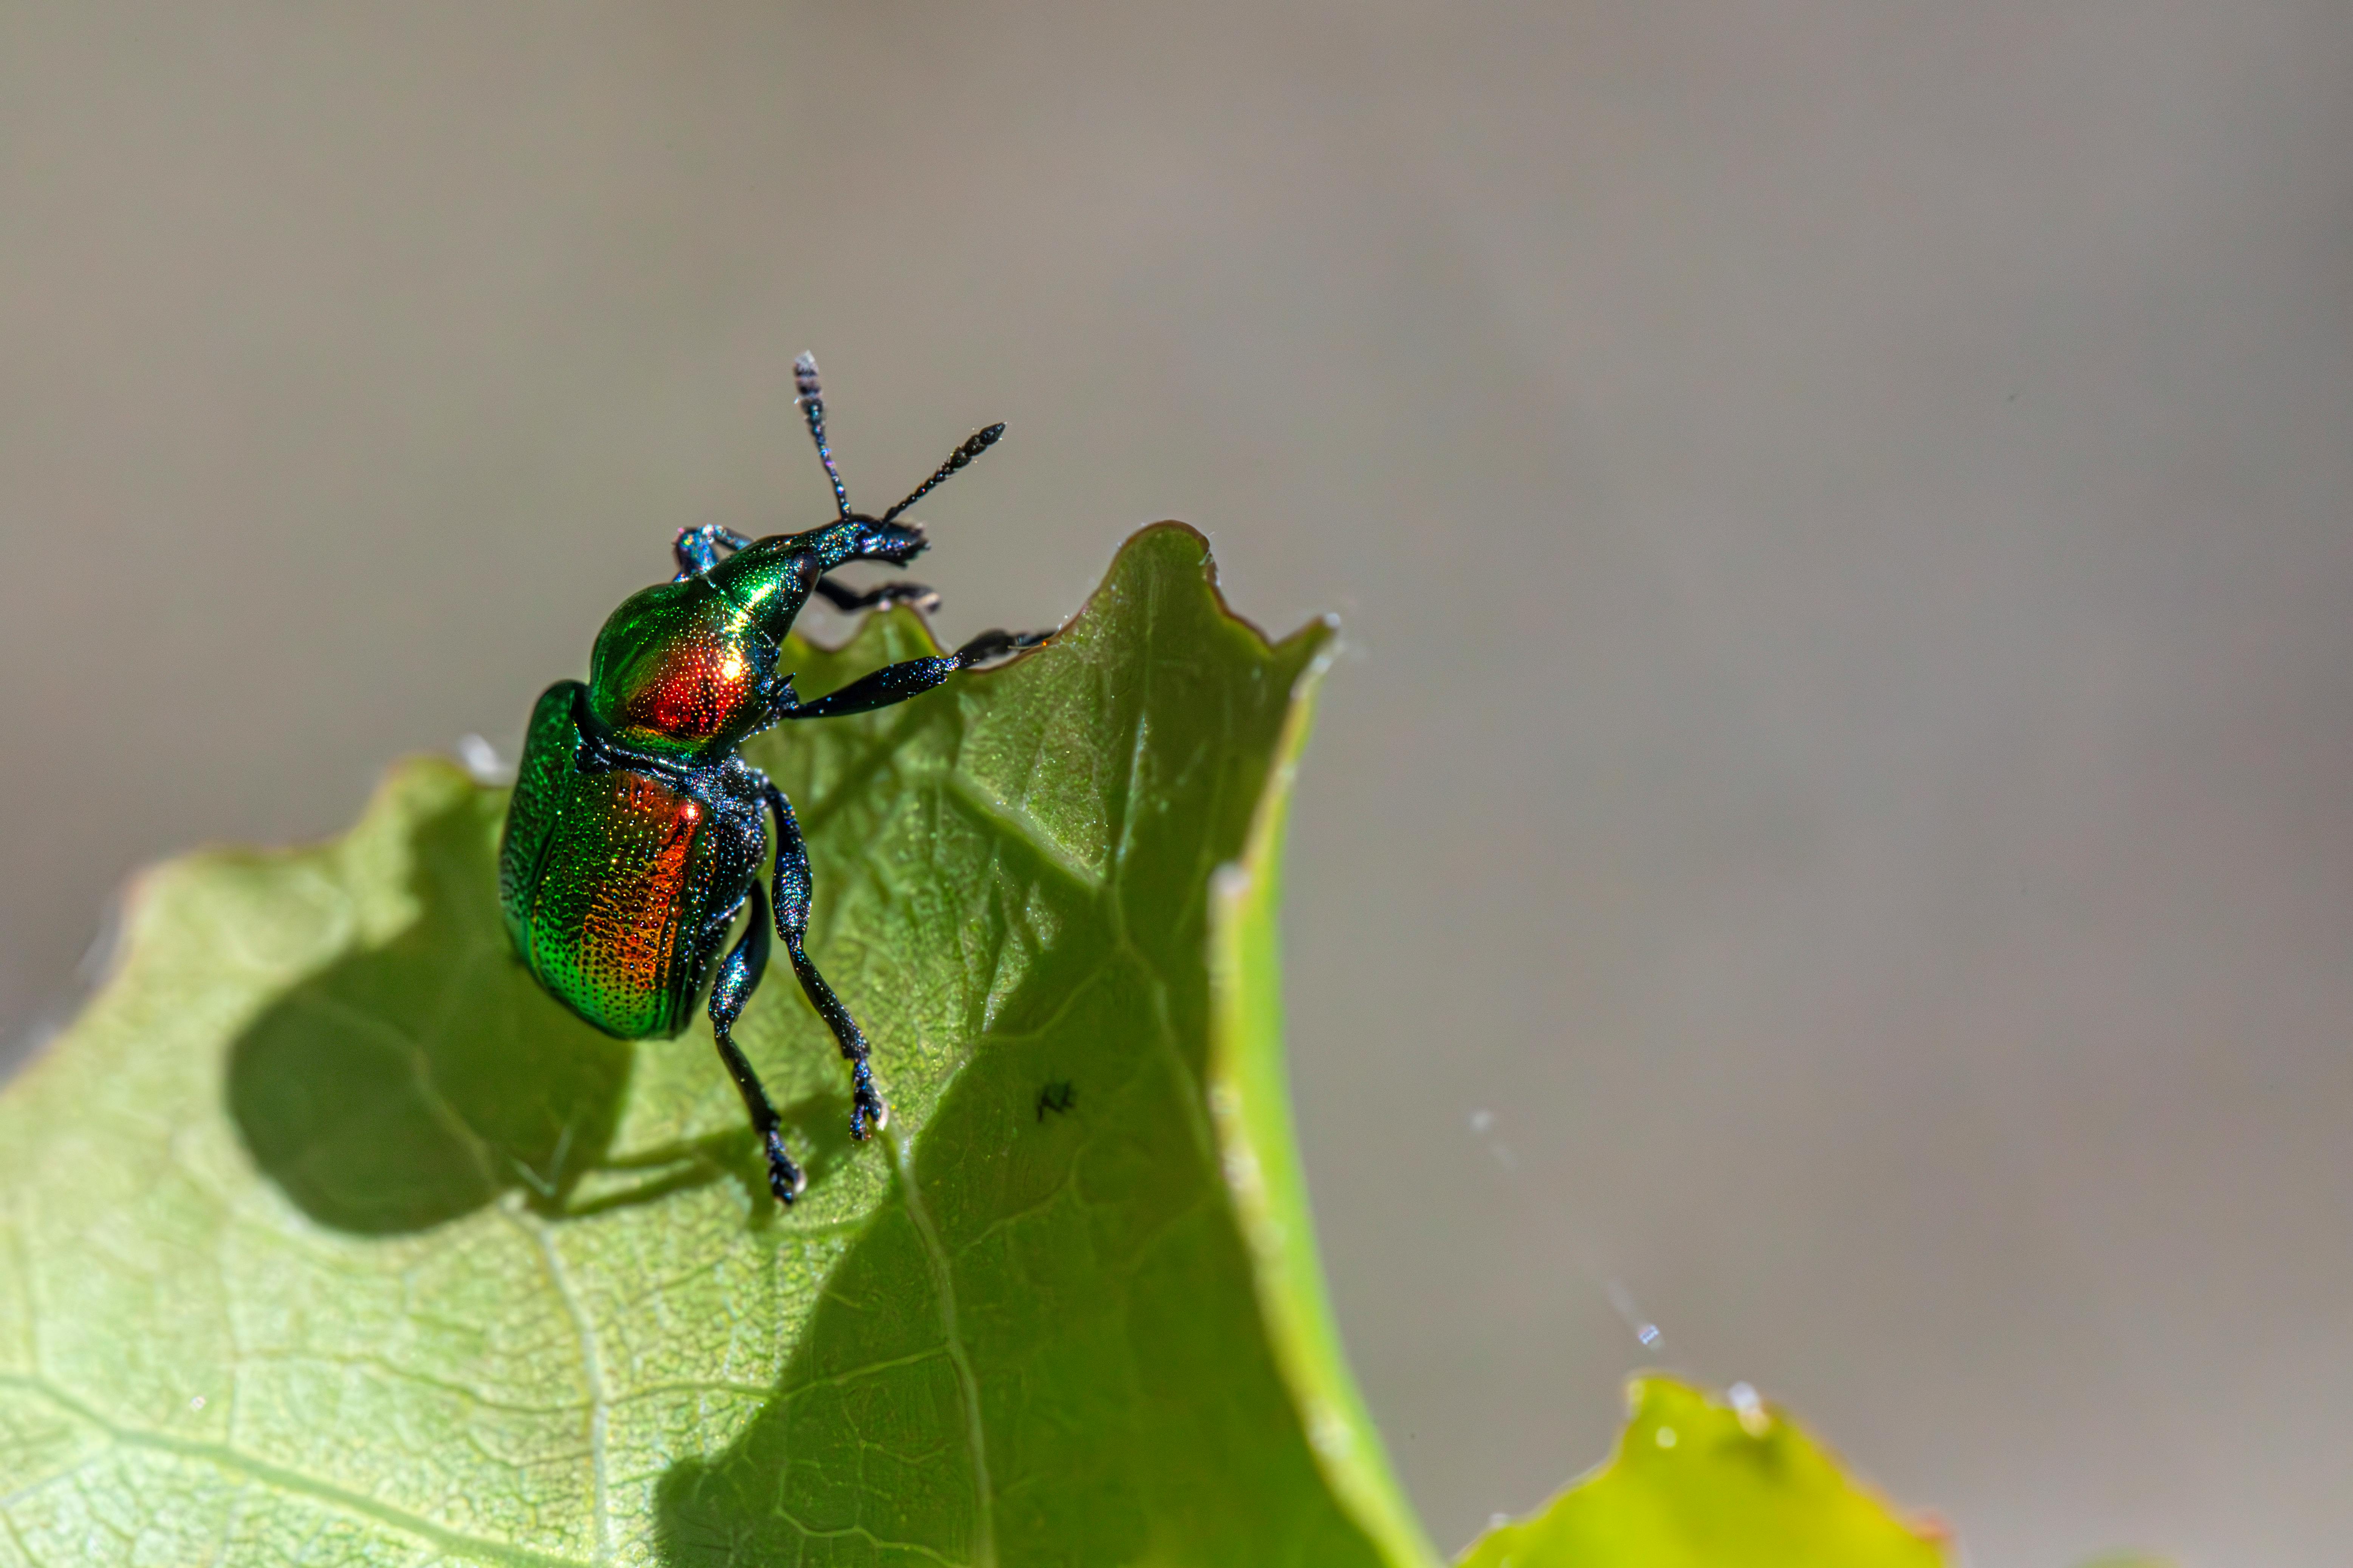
{"type": "Point", "coordinates": [739, 976]}
{"type": "Point", "coordinates": [867, 1111]}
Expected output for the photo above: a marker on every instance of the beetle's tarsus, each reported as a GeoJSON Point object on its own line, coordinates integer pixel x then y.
{"type": "Point", "coordinates": [868, 1114]}
{"type": "Point", "coordinates": [995, 643]}
{"type": "Point", "coordinates": [881, 596]}
{"type": "Point", "coordinates": [786, 1180]}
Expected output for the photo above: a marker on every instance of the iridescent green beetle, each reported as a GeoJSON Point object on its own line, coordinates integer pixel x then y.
{"type": "Point", "coordinates": [636, 835]}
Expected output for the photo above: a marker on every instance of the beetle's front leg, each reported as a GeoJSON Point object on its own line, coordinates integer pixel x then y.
{"type": "Point", "coordinates": [867, 1111]}
{"type": "Point", "coordinates": [909, 677]}
{"type": "Point", "coordinates": [847, 599]}
{"type": "Point", "coordinates": [739, 976]}
{"type": "Point", "coordinates": [697, 548]}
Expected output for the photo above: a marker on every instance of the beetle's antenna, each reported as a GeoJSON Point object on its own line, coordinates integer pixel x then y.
{"type": "Point", "coordinates": [812, 403]}
{"type": "Point", "coordinates": [975, 445]}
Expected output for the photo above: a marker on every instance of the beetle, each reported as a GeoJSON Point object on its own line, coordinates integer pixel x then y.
{"type": "Point", "coordinates": [636, 834]}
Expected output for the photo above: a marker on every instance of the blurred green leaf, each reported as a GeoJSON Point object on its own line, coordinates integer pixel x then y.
{"type": "Point", "coordinates": [1698, 1482]}
{"type": "Point", "coordinates": [325, 1237]}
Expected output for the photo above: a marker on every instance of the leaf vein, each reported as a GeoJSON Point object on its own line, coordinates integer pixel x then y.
{"type": "Point", "coordinates": [968, 1384]}
{"type": "Point", "coordinates": [245, 1466]}
{"type": "Point", "coordinates": [592, 1370]}
{"type": "Point", "coordinates": [1018, 823]}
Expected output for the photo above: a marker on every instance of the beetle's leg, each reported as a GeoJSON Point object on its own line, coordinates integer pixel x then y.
{"type": "Point", "coordinates": [884, 593]}
{"type": "Point", "coordinates": [909, 677]}
{"type": "Point", "coordinates": [697, 548]}
{"type": "Point", "coordinates": [995, 643]}
{"type": "Point", "coordinates": [739, 976]}
{"type": "Point", "coordinates": [867, 1111]}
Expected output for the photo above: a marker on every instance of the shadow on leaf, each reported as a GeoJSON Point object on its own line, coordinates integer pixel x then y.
{"type": "Point", "coordinates": [816, 1127]}
{"type": "Point", "coordinates": [1089, 1389]}
{"type": "Point", "coordinates": [412, 1083]}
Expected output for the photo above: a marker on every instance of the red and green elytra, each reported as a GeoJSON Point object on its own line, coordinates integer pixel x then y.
{"type": "Point", "coordinates": [636, 835]}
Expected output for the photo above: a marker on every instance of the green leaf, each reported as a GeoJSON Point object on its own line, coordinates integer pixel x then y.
{"type": "Point", "coordinates": [325, 1237]}
{"type": "Point", "coordinates": [1698, 1482]}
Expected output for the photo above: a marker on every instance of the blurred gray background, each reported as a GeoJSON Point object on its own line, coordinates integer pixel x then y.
{"type": "Point", "coordinates": [1840, 511]}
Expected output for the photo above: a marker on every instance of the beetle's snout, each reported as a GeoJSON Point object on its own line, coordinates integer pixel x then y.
{"type": "Point", "coordinates": [897, 542]}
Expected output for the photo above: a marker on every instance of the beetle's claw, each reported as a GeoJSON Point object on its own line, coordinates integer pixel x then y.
{"type": "Point", "coordinates": [785, 1178]}
{"type": "Point", "coordinates": [868, 1114]}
